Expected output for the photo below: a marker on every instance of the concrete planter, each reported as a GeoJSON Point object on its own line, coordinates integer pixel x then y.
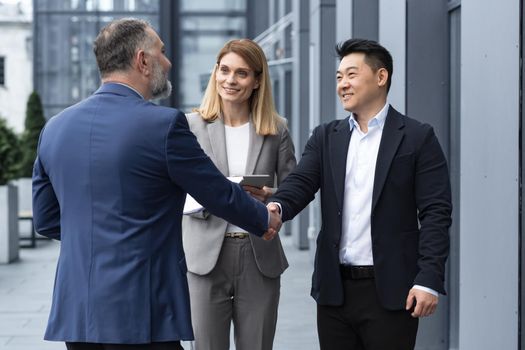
{"type": "Point", "coordinates": [25, 203]}
{"type": "Point", "coordinates": [8, 224]}
{"type": "Point", "coordinates": [25, 193]}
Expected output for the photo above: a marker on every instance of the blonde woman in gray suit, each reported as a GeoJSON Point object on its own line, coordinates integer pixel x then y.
{"type": "Point", "coordinates": [234, 277]}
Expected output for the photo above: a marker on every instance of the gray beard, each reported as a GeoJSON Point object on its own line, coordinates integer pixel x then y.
{"type": "Point", "coordinates": [161, 91]}
{"type": "Point", "coordinates": [160, 85]}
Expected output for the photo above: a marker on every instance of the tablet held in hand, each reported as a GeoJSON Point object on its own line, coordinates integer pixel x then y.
{"type": "Point", "coordinates": [258, 181]}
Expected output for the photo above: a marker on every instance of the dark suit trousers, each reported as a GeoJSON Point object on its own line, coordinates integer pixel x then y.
{"type": "Point", "coordinates": [173, 345]}
{"type": "Point", "coordinates": [361, 323]}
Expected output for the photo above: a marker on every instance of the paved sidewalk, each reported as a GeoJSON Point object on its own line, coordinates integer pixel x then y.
{"type": "Point", "coordinates": [25, 298]}
{"type": "Point", "coordinates": [296, 325]}
{"type": "Point", "coordinates": [26, 287]}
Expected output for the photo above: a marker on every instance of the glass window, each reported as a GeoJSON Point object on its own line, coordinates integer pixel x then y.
{"type": "Point", "coordinates": [218, 23]}
{"type": "Point", "coordinates": [105, 5]}
{"type": "Point", "coordinates": [201, 39]}
{"type": "Point", "coordinates": [65, 66]}
{"type": "Point", "coordinates": [97, 5]}
{"type": "Point", "coordinates": [213, 5]}
{"type": "Point", "coordinates": [200, 52]}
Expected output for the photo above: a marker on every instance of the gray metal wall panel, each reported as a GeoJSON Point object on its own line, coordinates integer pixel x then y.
{"type": "Point", "coordinates": [392, 35]}
{"type": "Point", "coordinates": [427, 100]}
{"type": "Point", "coordinates": [427, 65]}
{"type": "Point", "coordinates": [322, 85]}
{"type": "Point", "coordinates": [365, 22]}
{"type": "Point", "coordinates": [300, 107]}
{"type": "Point", "coordinates": [453, 269]}
{"type": "Point", "coordinates": [522, 170]}
{"type": "Point", "coordinates": [343, 31]}
{"type": "Point", "coordinates": [324, 61]}
{"type": "Point", "coordinates": [489, 175]}
{"type": "Point", "coordinates": [170, 33]}
{"type": "Point", "coordinates": [257, 17]}
{"type": "Point", "coordinates": [344, 20]}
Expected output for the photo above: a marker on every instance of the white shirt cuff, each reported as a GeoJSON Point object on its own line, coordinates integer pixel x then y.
{"type": "Point", "coordinates": [425, 289]}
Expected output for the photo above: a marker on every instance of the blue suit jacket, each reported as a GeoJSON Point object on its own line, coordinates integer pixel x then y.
{"type": "Point", "coordinates": [110, 181]}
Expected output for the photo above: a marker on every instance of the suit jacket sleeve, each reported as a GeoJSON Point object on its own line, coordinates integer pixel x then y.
{"type": "Point", "coordinates": [433, 200]}
{"type": "Point", "coordinates": [299, 188]}
{"type": "Point", "coordinates": [286, 161]}
{"type": "Point", "coordinates": [191, 169]}
{"type": "Point", "coordinates": [46, 209]}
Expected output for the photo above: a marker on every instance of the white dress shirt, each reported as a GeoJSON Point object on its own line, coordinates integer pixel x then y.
{"type": "Point", "coordinates": [356, 240]}
{"type": "Point", "coordinates": [237, 144]}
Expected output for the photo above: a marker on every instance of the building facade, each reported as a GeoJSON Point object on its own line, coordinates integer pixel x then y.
{"type": "Point", "coordinates": [65, 69]}
{"type": "Point", "coordinates": [16, 56]}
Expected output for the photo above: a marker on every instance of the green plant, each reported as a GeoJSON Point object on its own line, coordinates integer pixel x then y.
{"type": "Point", "coordinates": [9, 153]}
{"type": "Point", "coordinates": [34, 123]}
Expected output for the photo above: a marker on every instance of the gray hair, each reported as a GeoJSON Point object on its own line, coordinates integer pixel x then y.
{"type": "Point", "coordinates": [117, 42]}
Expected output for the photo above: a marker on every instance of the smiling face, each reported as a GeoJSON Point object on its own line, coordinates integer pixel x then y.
{"type": "Point", "coordinates": [235, 79]}
{"type": "Point", "coordinates": [361, 90]}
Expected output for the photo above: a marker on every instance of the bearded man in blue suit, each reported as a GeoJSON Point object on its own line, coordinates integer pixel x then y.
{"type": "Point", "coordinates": [110, 182]}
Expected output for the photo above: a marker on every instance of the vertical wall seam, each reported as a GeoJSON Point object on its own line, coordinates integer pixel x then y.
{"type": "Point", "coordinates": [520, 181]}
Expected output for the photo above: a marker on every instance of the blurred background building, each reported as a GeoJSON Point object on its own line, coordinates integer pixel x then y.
{"type": "Point", "coordinates": [16, 55]}
{"type": "Point", "coordinates": [457, 65]}
{"type": "Point", "coordinates": [65, 70]}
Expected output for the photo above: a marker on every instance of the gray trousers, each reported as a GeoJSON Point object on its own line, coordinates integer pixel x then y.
{"type": "Point", "coordinates": [234, 291]}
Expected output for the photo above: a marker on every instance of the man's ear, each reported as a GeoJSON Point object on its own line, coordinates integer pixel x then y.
{"type": "Point", "coordinates": [142, 62]}
{"type": "Point", "coordinates": [382, 77]}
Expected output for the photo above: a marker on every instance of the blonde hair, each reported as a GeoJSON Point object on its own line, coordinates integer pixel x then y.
{"type": "Point", "coordinates": [264, 116]}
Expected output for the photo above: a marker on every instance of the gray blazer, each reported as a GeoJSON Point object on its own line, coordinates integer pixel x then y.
{"type": "Point", "coordinates": [203, 237]}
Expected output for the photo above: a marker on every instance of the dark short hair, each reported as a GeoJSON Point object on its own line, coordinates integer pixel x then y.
{"type": "Point", "coordinates": [117, 42]}
{"type": "Point", "coordinates": [376, 56]}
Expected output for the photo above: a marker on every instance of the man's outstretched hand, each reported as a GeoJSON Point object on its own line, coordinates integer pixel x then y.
{"type": "Point", "coordinates": [275, 222]}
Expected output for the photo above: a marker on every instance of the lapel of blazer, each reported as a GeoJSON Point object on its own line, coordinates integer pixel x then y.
{"type": "Point", "coordinates": [218, 145]}
{"type": "Point", "coordinates": [254, 150]}
{"type": "Point", "coordinates": [392, 136]}
{"type": "Point", "coordinates": [339, 141]}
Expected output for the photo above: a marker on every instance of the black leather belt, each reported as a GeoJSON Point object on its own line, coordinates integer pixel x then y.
{"type": "Point", "coordinates": [356, 272]}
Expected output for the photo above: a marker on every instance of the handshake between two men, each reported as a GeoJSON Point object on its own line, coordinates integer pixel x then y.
{"type": "Point", "coordinates": [275, 222]}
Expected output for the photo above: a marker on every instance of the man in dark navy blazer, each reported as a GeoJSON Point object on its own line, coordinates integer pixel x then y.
{"type": "Point", "coordinates": [386, 210]}
{"type": "Point", "coordinates": [110, 182]}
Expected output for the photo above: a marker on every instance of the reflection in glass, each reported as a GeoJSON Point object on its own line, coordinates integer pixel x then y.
{"type": "Point", "coordinates": [65, 67]}
{"type": "Point", "coordinates": [219, 22]}
{"type": "Point", "coordinates": [202, 38]}
{"type": "Point", "coordinates": [197, 62]}
{"type": "Point", "coordinates": [213, 5]}
{"type": "Point", "coordinates": [105, 5]}
{"type": "Point", "coordinates": [97, 5]}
